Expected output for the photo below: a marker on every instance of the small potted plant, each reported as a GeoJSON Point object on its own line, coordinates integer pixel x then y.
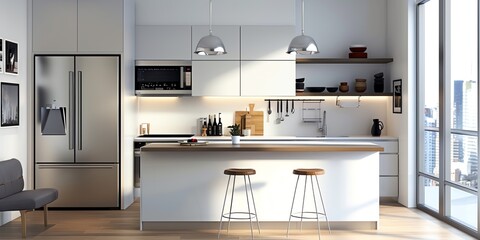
{"type": "Point", "coordinates": [235, 132]}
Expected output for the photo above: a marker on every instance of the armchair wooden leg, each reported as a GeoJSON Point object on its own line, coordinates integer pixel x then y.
{"type": "Point", "coordinates": [23, 215]}
{"type": "Point", "coordinates": [45, 215]}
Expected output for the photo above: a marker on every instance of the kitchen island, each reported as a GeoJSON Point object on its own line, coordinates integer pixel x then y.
{"type": "Point", "coordinates": [184, 186]}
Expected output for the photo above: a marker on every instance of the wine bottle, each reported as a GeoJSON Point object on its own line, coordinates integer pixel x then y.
{"type": "Point", "coordinates": [215, 126]}
{"type": "Point", "coordinates": [209, 126]}
{"type": "Point", "coordinates": [204, 128]}
{"type": "Point", "coordinates": [220, 126]}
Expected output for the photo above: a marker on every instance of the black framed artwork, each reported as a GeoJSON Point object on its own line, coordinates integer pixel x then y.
{"type": "Point", "coordinates": [1, 55]}
{"type": "Point", "coordinates": [397, 96]}
{"type": "Point", "coordinates": [11, 57]}
{"type": "Point", "coordinates": [10, 104]}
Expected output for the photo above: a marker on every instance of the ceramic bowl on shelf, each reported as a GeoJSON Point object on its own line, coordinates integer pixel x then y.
{"type": "Point", "coordinates": [332, 89]}
{"type": "Point", "coordinates": [315, 89]}
{"type": "Point", "coordinates": [358, 48]}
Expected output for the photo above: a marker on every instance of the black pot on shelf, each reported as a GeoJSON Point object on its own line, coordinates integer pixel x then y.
{"type": "Point", "coordinates": [378, 85]}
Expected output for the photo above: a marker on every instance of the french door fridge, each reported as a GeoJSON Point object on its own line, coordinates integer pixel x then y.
{"type": "Point", "coordinates": [77, 129]}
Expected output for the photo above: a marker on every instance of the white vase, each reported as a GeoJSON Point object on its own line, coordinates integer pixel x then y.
{"type": "Point", "coordinates": [235, 140]}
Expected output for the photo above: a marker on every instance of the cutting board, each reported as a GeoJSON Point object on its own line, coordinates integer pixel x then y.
{"type": "Point", "coordinates": [253, 120]}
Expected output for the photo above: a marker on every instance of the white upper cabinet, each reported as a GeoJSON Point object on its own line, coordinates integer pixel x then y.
{"type": "Point", "coordinates": [162, 42]}
{"type": "Point", "coordinates": [216, 78]}
{"type": "Point", "coordinates": [230, 36]}
{"type": "Point", "coordinates": [54, 25]}
{"type": "Point", "coordinates": [266, 42]}
{"type": "Point", "coordinates": [268, 78]}
{"type": "Point", "coordinates": [77, 25]}
{"type": "Point", "coordinates": [100, 25]}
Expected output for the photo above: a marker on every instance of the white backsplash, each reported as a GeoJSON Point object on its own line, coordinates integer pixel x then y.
{"type": "Point", "coordinates": [180, 115]}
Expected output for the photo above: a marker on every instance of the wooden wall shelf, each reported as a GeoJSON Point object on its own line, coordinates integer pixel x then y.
{"type": "Point", "coordinates": [343, 60]}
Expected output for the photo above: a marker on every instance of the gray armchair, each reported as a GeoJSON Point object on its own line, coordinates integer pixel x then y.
{"type": "Point", "coordinates": [13, 198]}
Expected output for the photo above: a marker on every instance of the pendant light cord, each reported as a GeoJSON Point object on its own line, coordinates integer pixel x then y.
{"type": "Point", "coordinates": [303, 17]}
{"type": "Point", "coordinates": [210, 19]}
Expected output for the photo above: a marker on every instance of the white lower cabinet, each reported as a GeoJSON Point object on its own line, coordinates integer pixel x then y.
{"type": "Point", "coordinates": [388, 168]}
{"type": "Point", "coordinates": [267, 78]}
{"type": "Point", "coordinates": [388, 164]}
{"type": "Point", "coordinates": [216, 78]}
{"type": "Point", "coordinates": [389, 187]}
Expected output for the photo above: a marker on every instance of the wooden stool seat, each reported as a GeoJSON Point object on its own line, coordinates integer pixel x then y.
{"type": "Point", "coordinates": [309, 171]}
{"type": "Point", "coordinates": [240, 171]}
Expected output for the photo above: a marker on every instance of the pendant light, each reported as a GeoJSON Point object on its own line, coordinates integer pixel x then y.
{"type": "Point", "coordinates": [303, 44]}
{"type": "Point", "coordinates": [210, 44]}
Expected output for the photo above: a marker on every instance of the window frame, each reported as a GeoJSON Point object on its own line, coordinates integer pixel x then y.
{"type": "Point", "coordinates": [444, 129]}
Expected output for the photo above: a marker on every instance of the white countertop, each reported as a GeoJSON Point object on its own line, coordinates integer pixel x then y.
{"type": "Point", "coordinates": [270, 138]}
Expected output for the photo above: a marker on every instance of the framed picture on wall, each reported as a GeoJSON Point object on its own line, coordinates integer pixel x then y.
{"type": "Point", "coordinates": [1, 55]}
{"type": "Point", "coordinates": [11, 57]}
{"type": "Point", "coordinates": [10, 104]}
{"type": "Point", "coordinates": [397, 96]}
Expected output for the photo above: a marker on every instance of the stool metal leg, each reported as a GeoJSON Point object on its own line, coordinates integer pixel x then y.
{"type": "Point", "coordinates": [323, 206]}
{"type": "Point", "coordinates": [303, 203]}
{"type": "Point", "coordinates": [248, 204]}
{"type": "Point", "coordinates": [223, 207]}
{"type": "Point", "coordinates": [293, 201]}
{"type": "Point", "coordinates": [315, 203]}
{"type": "Point", "coordinates": [231, 204]}
{"type": "Point", "coordinates": [254, 207]}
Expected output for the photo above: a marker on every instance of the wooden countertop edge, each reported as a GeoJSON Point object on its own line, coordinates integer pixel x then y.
{"type": "Point", "coordinates": [262, 148]}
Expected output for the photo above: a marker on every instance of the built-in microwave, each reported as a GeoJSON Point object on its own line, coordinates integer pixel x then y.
{"type": "Point", "coordinates": [163, 77]}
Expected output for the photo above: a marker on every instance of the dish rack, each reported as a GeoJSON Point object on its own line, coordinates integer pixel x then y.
{"type": "Point", "coordinates": [312, 111]}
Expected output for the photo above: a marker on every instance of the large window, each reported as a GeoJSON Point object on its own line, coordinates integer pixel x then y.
{"type": "Point", "coordinates": [448, 111]}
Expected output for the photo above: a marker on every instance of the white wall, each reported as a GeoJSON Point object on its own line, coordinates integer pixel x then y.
{"type": "Point", "coordinates": [13, 140]}
{"type": "Point", "coordinates": [401, 45]}
{"type": "Point", "coordinates": [334, 25]}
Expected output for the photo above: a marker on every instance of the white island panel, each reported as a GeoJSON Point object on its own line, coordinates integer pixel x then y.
{"type": "Point", "coordinates": [189, 186]}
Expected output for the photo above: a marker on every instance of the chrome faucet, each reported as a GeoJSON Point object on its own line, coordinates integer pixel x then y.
{"type": "Point", "coordinates": [323, 129]}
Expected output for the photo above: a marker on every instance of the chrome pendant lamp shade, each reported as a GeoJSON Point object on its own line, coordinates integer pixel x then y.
{"type": "Point", "coordinates": [303, 44]}
{"type": "Point", "coordinates": [210, 44]}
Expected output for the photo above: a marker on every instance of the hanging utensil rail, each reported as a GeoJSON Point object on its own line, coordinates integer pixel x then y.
{"type": "Point", "coordinates": [296, 100]}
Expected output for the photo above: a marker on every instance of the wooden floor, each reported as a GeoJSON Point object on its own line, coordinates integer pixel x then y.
{"type": "Point", "coordinates": [396, 222]}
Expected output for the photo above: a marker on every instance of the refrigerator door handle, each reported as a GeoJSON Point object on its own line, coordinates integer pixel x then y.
{"type": "Point", "coordinates": [74, 166]}
{"type": "Point", "coordinates": [80, 109]}
{"type": "Point", "coordinates": [71, 103]}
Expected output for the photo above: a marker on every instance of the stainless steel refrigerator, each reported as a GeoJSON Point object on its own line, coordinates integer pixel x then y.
{"type": "Point", "coordinates": [77, 129]}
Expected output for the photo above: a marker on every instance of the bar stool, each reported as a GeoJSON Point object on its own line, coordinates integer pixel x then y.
{"type": "Point", "coordinates": [245, 172]}
{"type": "Point", "coordinates": [308, 172]}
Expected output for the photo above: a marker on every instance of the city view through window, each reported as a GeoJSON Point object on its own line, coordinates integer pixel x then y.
{"type": "Point", "coordinates": [450, 109]}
